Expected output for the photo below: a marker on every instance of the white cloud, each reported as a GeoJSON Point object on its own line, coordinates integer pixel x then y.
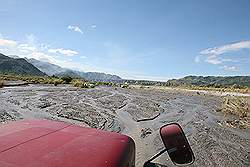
{"type": "Point", "coordinates": [26, 48]}
{"type": "Point", "coordinates": [229, 60]}
{"type": "Point", "coordinates": [226, 48]}
{"type": "Point", "coordinates": [230, 68]}
{"type": "Point", "coordinates": [212, 59]}
{"type": "Point", "coordinates": [31, 48]}
{"type": "Point", "coordinates": [75, 28]}
{"type": "Point", "coordinates": [216, 55]}
{"type": "Point", "coordinates": [7, 42]}
{"type": "Point", "coordinates": [212, 55]}
{"type": "Point", "coordinates": [44, 47]}
{"type": "Point", "coordinates": [66, 52]}
{"type": "Point", "coordinates": [93, 26]}
{"type": "Point", "coordinates": [42, 57]}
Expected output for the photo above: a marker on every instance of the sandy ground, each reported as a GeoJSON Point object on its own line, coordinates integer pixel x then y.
{"type": "Point", "coordinates": [124, 111]}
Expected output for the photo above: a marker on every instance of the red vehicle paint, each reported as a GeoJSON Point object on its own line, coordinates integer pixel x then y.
{"type": "Point", "coordinates": [176, 144]}
{"type": "Point", "coordinates": [39, 143]}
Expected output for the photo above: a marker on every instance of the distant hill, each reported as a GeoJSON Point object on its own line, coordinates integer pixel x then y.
{"type": "Point", "coordinates": [46, 67]}
{"type": "Point", "coordinates": [52, 69]}
{"type": "Point", "coordinates": [211, 81]}
{"type": "Point", "coordinates": [39, 68]}
{"type": "Point", "coordinates": [97, 76]}
{"type": "Point", "coordinates": [18, 66]}
{"type": "Point", "coordinates": [71, 73]}
{"type": "Point", "coordinates": [91, 76]}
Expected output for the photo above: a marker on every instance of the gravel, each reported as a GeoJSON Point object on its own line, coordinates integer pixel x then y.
{"type": "Point", "coordinates": [120, 110]}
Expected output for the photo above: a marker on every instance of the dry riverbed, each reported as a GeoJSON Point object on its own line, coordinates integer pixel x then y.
{"type": "Point", "coordinates": [138, 113]}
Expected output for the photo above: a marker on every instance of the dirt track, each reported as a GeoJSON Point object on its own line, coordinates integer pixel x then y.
{"type": "Point", "coordinates": [128, 111]}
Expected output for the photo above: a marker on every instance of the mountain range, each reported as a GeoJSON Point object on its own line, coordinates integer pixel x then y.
{"type": "Point", "coordinates": [50, 69]}
{"type": "Point", "coordinates": [18, 66]}
{"type": "Point", "coordinates": [211, 81]}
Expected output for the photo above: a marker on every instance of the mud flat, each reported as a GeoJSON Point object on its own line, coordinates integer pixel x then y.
{"type": "Point", "coordinates": [138, 113]}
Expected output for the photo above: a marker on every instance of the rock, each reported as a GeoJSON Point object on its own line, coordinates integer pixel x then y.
{"type": "Point", "coordinates": [145, 132]}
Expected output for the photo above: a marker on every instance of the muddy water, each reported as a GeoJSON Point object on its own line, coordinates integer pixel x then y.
{"type": "Point", "coordinates": [127, 111]}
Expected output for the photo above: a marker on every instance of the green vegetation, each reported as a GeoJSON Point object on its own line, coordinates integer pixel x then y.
{"type": "Point", "coordinates": [223, 84]}
{"type": "Point", "coordinates": [81, 83]}
{"type": "Point", "coordinates": [18, 66]}
{"type": "Point", "coordinates": [90, 76]}
{"type": "Point", "coordinates": [237, 82]}
{"type": "Point", "coordinates": [32, 66]}
{"type": "Point", "coordinates": [125, 85]}
{"type": "Point", "coordinates": [57, 81]}
{"type": "Point", "coordinates": [31, 79]}
{"type": "Point", "coordinates": [66, 79]}
{"type": "Point", "coordinates": [1, 83]}
{"type": "Point", "coordinates": [105, 83]}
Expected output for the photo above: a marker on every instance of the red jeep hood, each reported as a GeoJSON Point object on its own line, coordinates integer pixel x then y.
{"type": "Point", "coordinates": [37, 143]}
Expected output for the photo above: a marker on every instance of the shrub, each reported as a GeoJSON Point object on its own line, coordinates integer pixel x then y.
{"type": "Point", "coordinates": [235, 105]}
{"type": "Point", "coordinates": [54, 76]}
{"type": "Point", "coordinates": [82, 84]}
{"type": "Point", "coordinates": [66, 79]}
{"type": "Point", "coordinates": [125, 85]}
{"type": "Point", "coordinates": [57, 81]}
{"type": "Point", "coordinates": [1, 83]}
{"type": "Point", "coordinates": [76, 83]}
{"type": "Point", "coordinates": [91, 85]}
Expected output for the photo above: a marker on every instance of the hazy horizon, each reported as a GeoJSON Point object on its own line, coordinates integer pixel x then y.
{"type": "Point", "coordinates": [144, 40]}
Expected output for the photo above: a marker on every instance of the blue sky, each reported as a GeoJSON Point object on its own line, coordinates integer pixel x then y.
{"type": "Point", "coordinates": [136, 39]}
